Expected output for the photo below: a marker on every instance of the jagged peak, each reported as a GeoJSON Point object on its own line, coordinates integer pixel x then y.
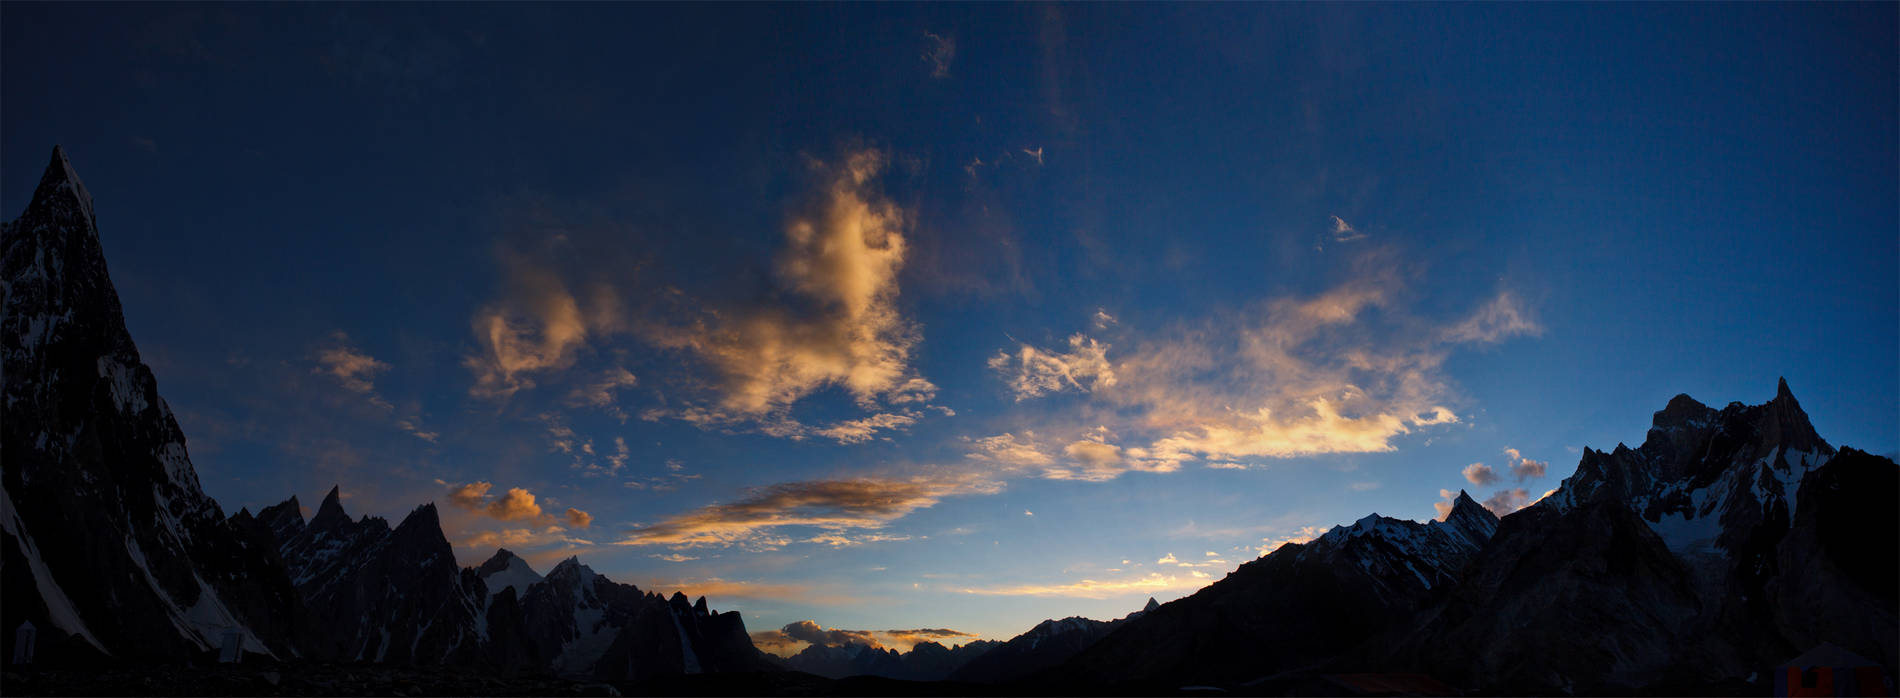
{"type": "Point", "coordinates": [1782, 391]}
{"type": "Point", "coordinates": [424, 516]}
{"type": "Point", "coordinates": [331, 512]}
{"type": "Point", "coordinates": [60, 176]}
{"type": "Point", "coordinates": [1152, 605]}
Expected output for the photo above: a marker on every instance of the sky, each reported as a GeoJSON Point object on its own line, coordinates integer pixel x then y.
{"type": "Point", "coordinates": [961, 317]}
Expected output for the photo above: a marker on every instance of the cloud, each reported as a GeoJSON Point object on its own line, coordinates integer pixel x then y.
{"type": "Point", "coordinates": [1303, 535]}
{"type": "Point", "coordinates": [1102, 320]}
{"type": "Point", "coordinates": [1506, 501]}
{"type": "Point", "coordinates": [409, 426]}
{"type": "Point", "coordinates": [1480, 474]}
{"type": "Point", "coordinates": [524, 539]}
{"type": "Point", "coordinates": [1009, 449]}
{"type": "Point", "coordinates": [1099, 589]}
{"type": "Point", "coordinates": [939, 51]}
{"type": "Point", "coordinates": [1034, 153]}
{"type": "Point", "coordinates": [860, 430]}
{"type": "Point", "coordinates": [1032, 372]}
{"type": "Point", "coordinates": [795, 636]}
{"type": "Point", "coordinates": [1342, 371]}
{"type": "Point", "coordinates": [1344, 232]}
{"type": "Point", "coordinates": [1366, 486]}
{"type": "Point", "coordinates": [834, 506]}
{"type": "Point", "coordinates": [1524, 468]}
{"type": "Point", "coordinates": [1211, 560]}
{"type": "Point", "coordinates": [599, 392]}
{"type": "Point", "coordinates": [1502, 318]}
{"type": "Point", "coordinates": [352, 369]}
{"type": "Point", "coordinates": [674, 557]}
{"type": "Point", "coordinates": [517, 504]}
{"type": "Point", "coordinates": [576, 518]}
{"type": "Point", "coordinates": [840, 324]}
{"type": "Point", "coordinates": [536, 328]}
{"type": "Point", "coordinates": [1089, 460]}
{"type": "Point", "coordinates": [1443, 506]}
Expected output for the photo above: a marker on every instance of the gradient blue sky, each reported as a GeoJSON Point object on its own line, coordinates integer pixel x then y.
{"type": "Point", "coordinates": [841, 278]}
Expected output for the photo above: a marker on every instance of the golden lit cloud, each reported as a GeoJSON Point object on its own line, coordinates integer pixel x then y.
{"type": "Point", "coordinates": [578, 519]}
{"type": "Point", "coordinates": [796, 636]}
{"type": "Point", "coordinates": [834, 506]}
{"type": "Point", "coordinates": [1032, 372]}
{"type": "Point", "coordinates": [536, 328]}
{"type": "Point", "coordinates": [1100, 589]}
{"type": "Point", "coordinates": [840, 263]}
{"type": "Point", "coordinates": [352, 369]}
{"type": "Point", "coordinates": [859, 430]}
{"type": "Point", "coordinates": [1303, 535]}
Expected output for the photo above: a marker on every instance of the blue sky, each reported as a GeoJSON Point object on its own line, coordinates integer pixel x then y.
{"type": "Point", "coordinates": [965, 316]}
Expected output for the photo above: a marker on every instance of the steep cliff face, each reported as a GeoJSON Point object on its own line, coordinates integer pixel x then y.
{"type": "Point", "coordinates": [108, 542]}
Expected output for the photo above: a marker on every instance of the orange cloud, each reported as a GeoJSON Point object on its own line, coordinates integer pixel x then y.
{"type": "Point", "coordinates": [518, 504]}
{"type": "Point", "coordinates": [578, 519]}
{"type": "Point", "coordinates": [796, 636]}
{"type": "Point", "coordinates": [1101, 589]}
{"type": "Point", "coordinates": [831, 505]}
{"type": "Point", "coordinates": [841, 261]}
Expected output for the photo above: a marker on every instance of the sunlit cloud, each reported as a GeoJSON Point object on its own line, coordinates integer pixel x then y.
{"type": "Point", "coordinates": [1524, 468]}
{"type": "Point", "coordinates": [599, 392]}
{"type": "Point", "coordinates": [796, 636]}
{"type": "Point", "coordinates": [1100, 588]}
{"type": "Point", "coordinates": [840, 327]}
{"type": "Point", "coordinates": [859, 430]}
{"type": "Point", "coordinates": [1289, 377]}
{"type": "Point", "coordinates": [833, 506]}
{"type": "Point", "coordinates": [1506, 501]}
{"type": "Point", "coordinates": [576, 518]}
{"type": "Point", "coordinates": [1032, 372]}
{"type": "Point", "coordinates": [1502, 318]}
{"type": "Point", "coordinates": [524, 538]}
{"type": "Point", "coordinates": [1010, 449]}
{"type": "Point", "coordinates": [516, 504]}
{"type": "Point", "coordinates": [1480, 474]}
{"type": "Point", "coordinates": [352, 369]}
{"type": "Point", "coordinates": [1305, 534]}
{"type": "Point", "coordinates": [536, 328]}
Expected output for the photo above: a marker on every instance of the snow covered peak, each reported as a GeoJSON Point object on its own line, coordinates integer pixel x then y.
{"type": "Point", "coordinates": [506, 570]}
{"type": "Point", "coordinates": [1468, 521]}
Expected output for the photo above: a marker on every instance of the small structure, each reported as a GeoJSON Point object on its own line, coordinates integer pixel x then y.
{"type": "Point", "coordinates": [1828, 670]}
{"type": "Point", "coordinates": [231, 651]}
{"type": "Point", "coordinates": [23, 639]}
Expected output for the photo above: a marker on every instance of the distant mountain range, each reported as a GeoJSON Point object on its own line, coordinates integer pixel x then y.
{"type": "Point", "coordinates": [1730, 541]}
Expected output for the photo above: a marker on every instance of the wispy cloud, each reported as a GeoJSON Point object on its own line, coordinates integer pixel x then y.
{"type": "Point", "coordinates": [1504, 317]}
{"type": "Point", "coordinates": [1524, 468]}
{"type": "Point", "coordinates": [1151, 583]}
{"type": "Point", "coordinates": [1032, 372]}
{"type": "Point", "coordinates": [1344, 232]}
{"type": "Point", "coordinates": [354, 370]}
{"type": "Point", "coordinates": [834, 506]}
{"type": "Point", "coordinates": [536, 328]}
{"type": "Point", "coordinates": [1303, 535]}
{"type": "Point", "coordinates": [939, 52]}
